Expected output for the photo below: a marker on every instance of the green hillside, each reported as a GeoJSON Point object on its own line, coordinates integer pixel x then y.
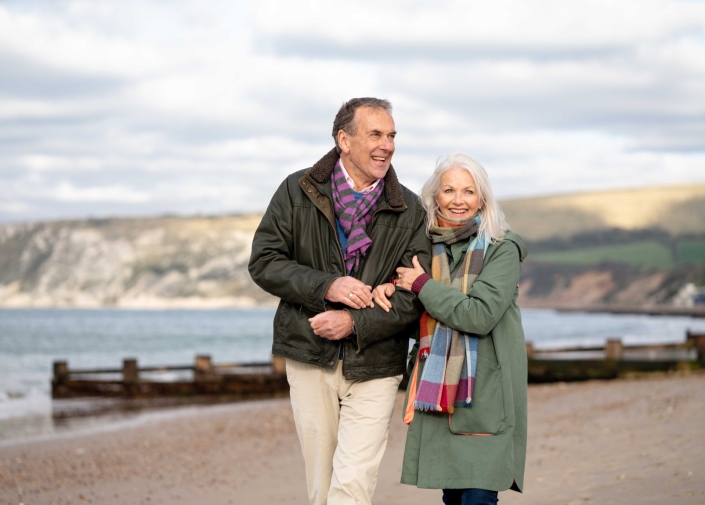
{"type": "Point", "coordinates": [678, 209]}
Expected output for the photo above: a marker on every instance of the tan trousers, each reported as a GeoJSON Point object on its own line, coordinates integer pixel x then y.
{"type": "Point", "coordinates": [343, 427]}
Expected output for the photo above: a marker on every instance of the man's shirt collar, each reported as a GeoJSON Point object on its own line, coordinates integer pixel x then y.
{"type": "Point", "coordinates": [351, 183]}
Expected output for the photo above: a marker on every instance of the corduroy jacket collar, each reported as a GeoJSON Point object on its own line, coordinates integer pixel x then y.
{"type": "Point", "coordinates": [323, 168]}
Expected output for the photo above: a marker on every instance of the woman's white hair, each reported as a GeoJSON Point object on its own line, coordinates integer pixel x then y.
{"type": "Point", "coordinates": [493, 224]}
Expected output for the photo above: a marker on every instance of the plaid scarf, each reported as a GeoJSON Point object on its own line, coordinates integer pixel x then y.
{"type": "Point", "coordinates": [354, 216]}
{"type": "Point", "coordinates": [451, 356]}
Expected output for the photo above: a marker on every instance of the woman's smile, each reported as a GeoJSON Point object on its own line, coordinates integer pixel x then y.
{"type": "Point", "coordinates": [457, 196]}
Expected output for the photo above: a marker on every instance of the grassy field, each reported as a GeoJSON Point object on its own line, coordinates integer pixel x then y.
{"type": "Point", "coordinates": [646, 254]}
{"type": "Point", "coordinates": [691, 251]}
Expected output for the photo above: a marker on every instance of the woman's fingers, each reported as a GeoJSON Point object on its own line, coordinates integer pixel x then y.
{"type": "Point", "coordinates": [388, 289]}
{"type": "Point", "coordinates": [381, 295]}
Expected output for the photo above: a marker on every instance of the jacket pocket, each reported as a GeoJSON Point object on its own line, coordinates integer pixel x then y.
{"type": "Point", "coordinates": [284, 316]}
{"type": "Point", "coordinates": [486, 416]}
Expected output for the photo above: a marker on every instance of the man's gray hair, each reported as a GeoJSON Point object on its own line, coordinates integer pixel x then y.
{"type": "Point", "coordinates": [345, 118]}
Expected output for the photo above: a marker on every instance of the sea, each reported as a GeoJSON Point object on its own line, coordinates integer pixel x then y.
{"type": "Point", "coordinates": [32, 339]}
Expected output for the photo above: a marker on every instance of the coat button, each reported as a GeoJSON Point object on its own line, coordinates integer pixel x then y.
{"type": "Point", "coordinates": [348, 374]}
{"type": "Point", "coordinates": [309, 190]}
{"type": "Point", "coordinates": [319, 200]}
{"type": "Point", "coordinates": [331, 363]}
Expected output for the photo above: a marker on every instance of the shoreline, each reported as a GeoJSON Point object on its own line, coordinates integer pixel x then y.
{"type": "Point", "coordinates": [623, 441]}
{"type": "Point", "coordinates": [648, 310]}
{"type": "Point", "coordinates": [218, 304]}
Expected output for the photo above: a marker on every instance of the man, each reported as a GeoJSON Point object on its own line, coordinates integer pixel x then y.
{"type": "Point", "coordinates": [329, 235]}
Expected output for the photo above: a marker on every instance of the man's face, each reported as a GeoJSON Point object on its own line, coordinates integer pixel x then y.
{"type": "Point", "coordinates": [368, 154]}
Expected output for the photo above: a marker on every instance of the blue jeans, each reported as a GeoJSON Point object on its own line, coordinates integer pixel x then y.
{"type": "Point", "coordinates": [469, 497]}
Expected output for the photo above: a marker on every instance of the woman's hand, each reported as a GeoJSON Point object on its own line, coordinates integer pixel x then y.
{"type": "Point", "coordinates": [407, 276]}
{"type": "Point", "coordinates": [382, 293]}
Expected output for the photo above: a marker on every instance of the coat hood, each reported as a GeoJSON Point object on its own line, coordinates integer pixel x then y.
{"type": "Point", "coordinates": [517, 241]}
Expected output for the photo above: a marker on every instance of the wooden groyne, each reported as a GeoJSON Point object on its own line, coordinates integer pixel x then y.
{"type": "Point", "coordinates": [266, 380]}
{"type": "Point", "coordinates": [239, 381]}
{"type": "Point", "coordinates": [613, 360]}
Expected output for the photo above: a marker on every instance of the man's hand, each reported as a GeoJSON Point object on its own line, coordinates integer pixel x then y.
{"type": "Point", "coordinates": [332, 324]}
{"type": "Point", "coordinates": [351, 292]}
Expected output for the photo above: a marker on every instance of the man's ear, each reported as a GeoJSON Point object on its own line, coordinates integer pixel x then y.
{"type": "Point", "coordinates": [343, 142]}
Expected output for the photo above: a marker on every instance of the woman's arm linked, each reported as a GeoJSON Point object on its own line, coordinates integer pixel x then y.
{"type": "Point", "coordinates": [480, 310]}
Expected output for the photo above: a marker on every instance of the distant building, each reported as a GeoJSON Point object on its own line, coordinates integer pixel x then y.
{"type": "Point", "coordinates": [690, 295]}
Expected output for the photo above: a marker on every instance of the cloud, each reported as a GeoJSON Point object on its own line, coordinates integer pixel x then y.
{"type": "Point", "coordinates": [149, 108]}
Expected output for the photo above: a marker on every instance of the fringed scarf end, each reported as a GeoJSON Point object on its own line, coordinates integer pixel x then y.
{"type": "Point", "coordinates": [427, 407]}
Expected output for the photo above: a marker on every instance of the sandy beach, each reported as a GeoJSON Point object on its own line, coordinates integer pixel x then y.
{"type": "Point", "coordinates": [620, 442]}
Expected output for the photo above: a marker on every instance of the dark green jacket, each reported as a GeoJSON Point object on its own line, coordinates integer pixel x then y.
{"type": "Point", "coordinates": [438, 454]}
{"type": "Point", "coordinates": [296, 255]}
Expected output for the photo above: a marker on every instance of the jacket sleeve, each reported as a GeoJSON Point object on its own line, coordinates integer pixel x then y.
{"type": "Point", "coordinates": [372, 325]}
{"type": "Point", "coordinates": [480, 310]}
{"type": "Point", "coordinates": [271, 265]}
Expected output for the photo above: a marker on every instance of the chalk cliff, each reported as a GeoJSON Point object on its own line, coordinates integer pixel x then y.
{"type": "Point", "coordinates": [167, 262]}
{"type": "Point", "coordinates": [630, 247]}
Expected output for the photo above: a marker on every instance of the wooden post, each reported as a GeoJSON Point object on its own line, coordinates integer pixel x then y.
{"type": "Point", "coordinates": [61, 371]}
{"type": "Point", "coordinates": [204, 365]}
{"type": "Point", "coordinates": [529, 350]}
{"type": "Point", "coordinates": [130, 373]}
{"type": "Point", "coordinates": [613, 349]}
{"type": "Point", "coordinates": [278, 365]}
{"type": "Point", "coordinates": [699, 341]}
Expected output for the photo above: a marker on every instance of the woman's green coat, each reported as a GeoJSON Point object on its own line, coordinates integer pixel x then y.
{"type": "Point", "coordinates": [437, 454]}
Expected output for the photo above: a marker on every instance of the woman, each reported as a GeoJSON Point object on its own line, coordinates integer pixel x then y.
{"type": "Point", "coordinates": [466, 401]}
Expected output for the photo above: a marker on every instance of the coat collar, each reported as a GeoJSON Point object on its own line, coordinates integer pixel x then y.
{"type": "Point", "coordinates": [321, 171]}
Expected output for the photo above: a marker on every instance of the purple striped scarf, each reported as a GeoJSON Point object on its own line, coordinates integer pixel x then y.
{"type": "Point", "coordinates": [354, 216]}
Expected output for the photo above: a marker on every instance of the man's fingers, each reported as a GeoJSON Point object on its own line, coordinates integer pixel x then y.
{"type": "Point", "coordinates": [353, 302]}
{"type": "Point", "coordinates": [364, 297]}
{"type": "Point", "coordinates": [415, 262]}
{"type": "Point", "coordinates": [341, 289]}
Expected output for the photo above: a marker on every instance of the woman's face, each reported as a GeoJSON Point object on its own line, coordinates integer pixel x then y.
{"type": "Point", "coordinates": [457, 196]}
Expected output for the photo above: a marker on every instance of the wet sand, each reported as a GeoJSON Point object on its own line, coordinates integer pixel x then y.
{"type": "Point", "coordinates": [619, 442]}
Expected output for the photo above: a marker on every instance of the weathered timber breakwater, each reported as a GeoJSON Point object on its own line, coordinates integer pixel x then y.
{"type": "Point", "coordinates": [614, 360]}
{"type": "Point", "coordinates": [234, 381]}
{"type": "Point", "coordinates": [267, 380]}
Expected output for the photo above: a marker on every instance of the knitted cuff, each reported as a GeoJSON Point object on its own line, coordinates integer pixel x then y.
{"type": "Point", "coordinates": [419, 283]}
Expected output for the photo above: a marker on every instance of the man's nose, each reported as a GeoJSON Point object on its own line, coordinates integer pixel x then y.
{"type": "Point", "coordinates": [387, 144]}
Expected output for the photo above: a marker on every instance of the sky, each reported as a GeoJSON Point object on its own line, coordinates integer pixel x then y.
{"type": "Point", "coordinates": [195, 107]}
